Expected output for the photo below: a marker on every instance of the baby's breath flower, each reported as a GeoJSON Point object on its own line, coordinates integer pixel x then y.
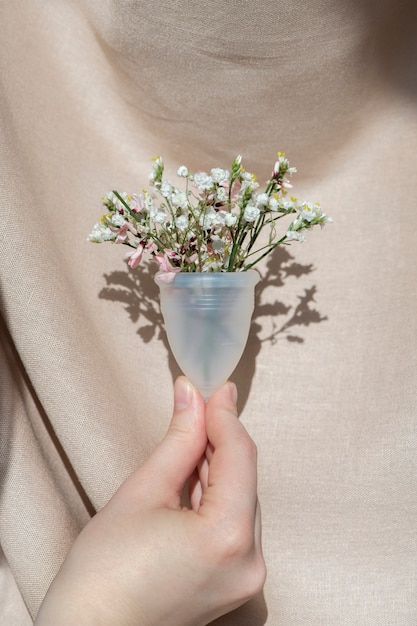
{"type": "Point", "coordinates": [208, 218]}
{"type": "Point", "coordinates": [221, 194]}
{"type": "Point", "coordinates": [230, 220]}
{"type": "Point", "coordinates": [214, 230]}
{"type": "Point", "coordinates": [251, 213]}
{"type": "Point", "coordinates": [218, 245]}
{"type": "Point", "coordinates": [182, 222]}
{"type": "Point", "coordinates": [263, 199]}
{"type": "Point", "coordinates": [294, 235]}
{"type": "Point", "coordinates": [249, 182]}
{"type": "Point", "coordinates": [203, 181]}
{"type": "Point", "coordinates": [179, 199]}
{"type": "Point", "coordinates": [273, 204]}
{"type": "Point", "coordinates": [220, 218]}
{"type": "Point", "coordinates": [117, 219]}
{"type": "Point", "coordinates": [166, 189]}
{"type": "Point", "coordinates": [158, 216]}
{"type": "Point", "coordinates": [219, 175]}
{"type": "Point", "coordinates": [182, 171]}
{"type": "Point", "coordinates": [101, 233]}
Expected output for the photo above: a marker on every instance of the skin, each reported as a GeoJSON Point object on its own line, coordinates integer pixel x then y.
{"type": "Point", "coordinates": [146, 559]}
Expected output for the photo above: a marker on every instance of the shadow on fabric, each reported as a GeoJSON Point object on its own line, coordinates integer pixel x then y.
{"type": "Point", "coordinates": [273, 321]}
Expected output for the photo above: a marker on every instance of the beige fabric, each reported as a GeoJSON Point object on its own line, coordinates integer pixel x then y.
{"type": "Point", "coordinates": [92, 90]}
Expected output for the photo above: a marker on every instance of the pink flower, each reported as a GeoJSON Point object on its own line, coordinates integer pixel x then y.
{"type": "Point", "coordinates": [192, 259]}
{"type": "Point", "coordinates": [276, 169]}
{"type": "Point", "coordinates": [151, 248]}
{"type": "Point", "coordinates": [122, 232]}
{"type": "Point", "coordinates": [135, 256]}
{"type": "Point", "coordinates": [137, 203]}
{"type": "Point", "coordinates": [167, 270]}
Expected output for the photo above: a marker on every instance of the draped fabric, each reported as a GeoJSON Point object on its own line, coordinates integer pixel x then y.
{"type": "Point", "coordinates": [90, 91]}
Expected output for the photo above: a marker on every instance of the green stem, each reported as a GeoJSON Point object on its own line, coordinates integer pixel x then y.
{"type": "Point", "coordinates": [270, 248]}
{"type": "Point", "coordinates": [125, 204]}
{"type": "Point", "coordinates": [257, 230]}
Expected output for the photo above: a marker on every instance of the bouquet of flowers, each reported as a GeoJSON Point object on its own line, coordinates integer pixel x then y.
{"type": "Point", "coordinates": [212, 224]}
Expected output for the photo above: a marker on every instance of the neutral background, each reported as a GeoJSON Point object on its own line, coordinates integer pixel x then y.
{"type": "Point", "coordinates": [90, 91]}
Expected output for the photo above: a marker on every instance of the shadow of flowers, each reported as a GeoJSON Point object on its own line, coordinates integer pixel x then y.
{"type": "Point", "coordinates": [272, 321]}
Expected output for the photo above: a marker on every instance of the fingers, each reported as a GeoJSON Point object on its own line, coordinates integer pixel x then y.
{"type": "Point", "coordinates": [199, 480]}
{"type": "Point", "coordinates": [258, 528]}
{"type": "Point", "coordinates": [176, 457]}
{"type": "Point", "coordinates": [232, 473]}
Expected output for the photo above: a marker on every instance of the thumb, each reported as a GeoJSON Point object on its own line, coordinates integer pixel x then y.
{"type": "Point", "coordinates": [176, 457]}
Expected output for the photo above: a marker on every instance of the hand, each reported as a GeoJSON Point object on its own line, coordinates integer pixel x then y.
{"type": "Point", "coordinates": [147, 560]}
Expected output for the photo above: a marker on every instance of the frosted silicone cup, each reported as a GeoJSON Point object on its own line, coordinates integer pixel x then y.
{"type": "Point", "coordinates": [207, 319]}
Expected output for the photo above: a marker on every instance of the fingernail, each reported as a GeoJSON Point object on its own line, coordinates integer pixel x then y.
{"type": "Point", "coordinates": [233, 392]}
{"type": "Point", "coordinates": [182, 393]}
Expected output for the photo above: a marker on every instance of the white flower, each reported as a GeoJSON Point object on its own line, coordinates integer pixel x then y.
{"type": "Point", "coordinates": [251, 185]}
{"type": "Point", "coordinates": [273, 204]}
{"type": "Point", "coordinates": [211, 265]}
{"type": "Point", "coordinates": [148, 201]}
{"type": "Point", "coordinates": [251, 213]}
{"type": "Point", "coordinates": [117, 219]}
{"type": "Point", "coordinates": [249, 182]}
{"type": "Point", "coordinates": [293, 235]}
{"type": "Point", "coordinates": [224, 218]}
{"type": "Point", "coordinates": [230, 220]}
{"type": "Point", "coordinates": [155, 175]}
{"type": "Point", "coordinates": [212, 226]}
{"type": "Point", "coordinates": [220, 176]}
{"type": "Point", "coordinates": [191, 234]}
{"type": "Point", "coordinates": [158, 216]}
{"type": "Point", "coordinates": [208, 218]}
{"type": "Point", "coordinates": [283, 161]}
{"type": "Point", "coordinates": [286, 205]}
{"type": "Point", "coordinates": [220, 218]}
{"type": "Point", "coordinates": [157, 162]}
{"type": "Point", "coordinates": [203, 181]}
{"type": "Point", "coordinates": [137, 203]}
{"type": "Point", "coordinates": [166, 189]}
{"type": "Point", "coordinates": [182, 171]}
{"type": "Point", "coordinates": [218, 245]}
{"type": "Point", "coordinates": [182, 222]}
{"type": "Point", "coordinates": [101, 233]}
{"type": "Point", "coordinates": [109, 198]}
{"type": "Point", "coordinates": [142, 229]}
{"type": "Point", "coordinates": [263, 199]}
{"type": "Point", "coordinates": [179, 199]}
{"type": "Point", "coordinates": [309, 212]}
{"type": "Point", "coordinates": [221, 194]}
